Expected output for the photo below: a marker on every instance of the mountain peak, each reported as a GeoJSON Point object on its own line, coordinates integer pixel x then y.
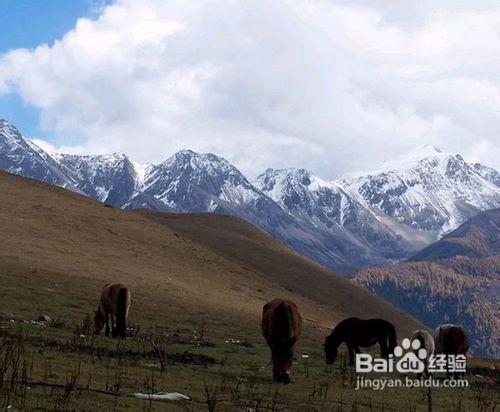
{"type": "Point", "coordinates": [415, 156]}
{"type": "Point", "coordinates": [210, 163]}
{"type": "Point", "coordinates": [290, 173]}
{"type": "Point", "coordinates": [424, 151]}
{"type": "Point", "coordinates": [187, 153]}
{"type": "Point", "coordinates": [9, 132]}
{"type": "Point", "coordinates": [408, 161]}
{"type": "Point", "coordinates": [427, 189]}
{"type": "Point", "coordinates": [274, 181]}
{"type": "Point", "coordinates": [4, 122]}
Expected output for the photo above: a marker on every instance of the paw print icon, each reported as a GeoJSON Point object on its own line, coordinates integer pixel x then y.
{"type": "Point", "coordinates": [412, 361]}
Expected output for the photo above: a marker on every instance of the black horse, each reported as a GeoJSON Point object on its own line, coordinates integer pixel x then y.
{"type": "Point", "coordinates": [356, 332]}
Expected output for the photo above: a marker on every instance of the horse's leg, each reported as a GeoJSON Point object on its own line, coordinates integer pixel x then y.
{"type": "Point", "coordinates": [384, 349]}
{"type": "Point", "coordinates": [276, 373]}
{"type": "Point", "coordinates": [426, 370]}
{"type": "Point", "coordinates": [350, 350]}
{"type": "Point", "coordinates": [113, 324]}
{"type": "Point", "coordinates": [106, 318]}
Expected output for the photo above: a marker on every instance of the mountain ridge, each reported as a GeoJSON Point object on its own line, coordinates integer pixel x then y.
{"type": "Point", "coordinates": [342, 224]}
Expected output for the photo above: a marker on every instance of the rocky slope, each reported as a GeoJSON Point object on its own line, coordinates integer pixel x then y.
{"type": "Point", "coordinates": [20, 156]}
{"type": "Point", "coordinates": [331, 207]}
{"type": "Point", "coordinates": [112, 178]}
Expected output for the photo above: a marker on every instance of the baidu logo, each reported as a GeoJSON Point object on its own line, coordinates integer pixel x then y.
{"type": "Point", "coordinates": [410, 357]}
{"type": "Point", "coordinates": [412, 361]}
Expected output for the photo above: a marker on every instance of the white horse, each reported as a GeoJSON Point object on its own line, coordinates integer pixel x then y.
{"type": "Point", "coordinates": [427, 342]}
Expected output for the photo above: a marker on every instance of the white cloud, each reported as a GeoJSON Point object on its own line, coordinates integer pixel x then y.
{"type": "Point", "coordinates": [330, 86]}
{"type": "Point", "coordinates": [51, 148]}
{"type": "Point", "coordinates": [44, 145]}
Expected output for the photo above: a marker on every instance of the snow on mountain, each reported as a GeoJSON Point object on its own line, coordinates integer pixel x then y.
{"type": "Point", "coordinates": [307, 197]}
{"type": "Point", "coordinates": [192, 182]}
{"type": "Point", "coordinates": [107, 178]}
{"type": "Point", "coordinates": [329, 207]}
{"type": "Point", "coordinates": [22, 157]}
{"type": "Point", "coordinates": [488, 173]}
{"type": "Point", "coordinates": [428, 190]}
{"type": "Point", "coordinates": [364, 219]}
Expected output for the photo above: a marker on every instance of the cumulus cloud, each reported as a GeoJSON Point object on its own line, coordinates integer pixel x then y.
{"type": "Point", "coordinates": [330, 86]}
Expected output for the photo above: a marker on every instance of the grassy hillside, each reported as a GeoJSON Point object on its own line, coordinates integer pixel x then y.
{"type": "Point", "coordinates": [198, 286]}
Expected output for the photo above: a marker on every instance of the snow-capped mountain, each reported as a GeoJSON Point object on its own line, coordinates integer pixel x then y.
{"type": "Point", "coordinates": [107, 178]}
{"type": "Point", "coordinates": [20, 156]}
{"type": "Point", "coordinates": [367, 219]}
{"type": "Point", "coordinates": [330, 207]}
{"type": "Point", "coordinates": [490, 174]}
{"type": "Point", "coordinates": [192, 182]}
{"type": "Point", "coordinates": [428, 190]}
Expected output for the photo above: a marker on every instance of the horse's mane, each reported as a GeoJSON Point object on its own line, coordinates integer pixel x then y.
{"type": "Point", "coordinates": [337, 333]}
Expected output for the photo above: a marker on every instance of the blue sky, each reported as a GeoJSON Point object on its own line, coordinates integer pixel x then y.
{"type": "Point", "coordinates": [27, 24]}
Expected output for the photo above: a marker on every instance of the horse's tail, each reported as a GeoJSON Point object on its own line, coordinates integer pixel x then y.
{"type": "Point", "coordinates": [285, 325]}
{"type": "Point", "coordinates": [393, 340]}
{"type": "Point", "coordinates": [121, 312]}
{"type": "Point", "coordinates": [465, 347]}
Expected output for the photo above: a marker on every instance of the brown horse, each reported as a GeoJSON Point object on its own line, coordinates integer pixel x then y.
{"type": "Point", "coordinates": [281, 327]}
{"type": "Point", "coordinates": [113, 309]}
{"type": "Point", "coordinates": [356, 332]}
{"type": "Point", "coordinates": [451, 340]}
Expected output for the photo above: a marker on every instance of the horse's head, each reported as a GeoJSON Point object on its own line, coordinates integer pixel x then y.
{"type": "Point", "coordinates": [98, 322]}
{"type": "Point", "coordinates": [330, 350]}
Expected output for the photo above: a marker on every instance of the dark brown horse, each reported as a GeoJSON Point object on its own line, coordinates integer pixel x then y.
{"type": "Point", "coordinates": [112, 310]}
{"type": "Point", "coordinates": [356, 332]}
{"type": "Point", "coordinates": [451, 340]}
{"type": "Point", "coordinates": [281, 327]}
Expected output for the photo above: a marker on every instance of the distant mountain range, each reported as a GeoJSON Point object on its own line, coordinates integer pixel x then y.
{"type": "Point", "coordinates": [368, 219]}
{"type": "Point", "coordinates": [456, 279]}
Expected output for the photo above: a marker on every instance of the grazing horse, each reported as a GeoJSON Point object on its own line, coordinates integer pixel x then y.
{"type": "Point", "coordinates": [426, 342]}
{"type": "Point", "coordinates": [281, 327]}
{"type": "Point", "coordinates": [356, 332]}
{"type": "Point", "coordinates": [451, 340]}
{"type": "Point", "coordinates": [113, 309]}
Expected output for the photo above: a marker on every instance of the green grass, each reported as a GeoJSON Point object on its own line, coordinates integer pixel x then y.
{"type": "Point", "coordinates": [64, 367]}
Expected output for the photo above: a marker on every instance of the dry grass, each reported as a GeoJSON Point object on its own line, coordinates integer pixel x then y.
{"type": "Point", "coordinates": [198, 285]}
